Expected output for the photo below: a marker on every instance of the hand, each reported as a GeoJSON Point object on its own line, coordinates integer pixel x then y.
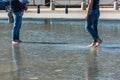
{"type": "Point", "coordinates": [86, 17]}
{"type": "Point", "coordinates": [21, 14]}
{"type": "Point", "coordinates": [26, 8]}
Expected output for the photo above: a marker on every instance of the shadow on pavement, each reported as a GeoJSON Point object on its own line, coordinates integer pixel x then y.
{"type": "Point", "coordinates": [44, 42]}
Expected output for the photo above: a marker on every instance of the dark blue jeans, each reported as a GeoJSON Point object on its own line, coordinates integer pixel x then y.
{"type": "Point", "coordinates": [92, 23]}
{"type": "Point", "coordinates": [17, 25]}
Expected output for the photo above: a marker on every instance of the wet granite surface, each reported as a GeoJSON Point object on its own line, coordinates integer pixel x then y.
{"type": "Point", "coordinates": [56, 50]}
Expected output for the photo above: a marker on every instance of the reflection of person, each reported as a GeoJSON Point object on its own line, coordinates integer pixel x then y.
{"type": "Point", "coordinates": [92, 16]}
{"type": "Point", "coordinates": [92, 69]}
{"type": "Point", "coordinates": [17, 66]}
{"type": "Point", "coordinates": [17, 9]}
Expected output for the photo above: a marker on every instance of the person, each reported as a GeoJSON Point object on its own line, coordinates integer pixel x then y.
{"type": "Point", "coordinates": [91, 17]}
{"type": "Point", "coordinates": [17, 9]}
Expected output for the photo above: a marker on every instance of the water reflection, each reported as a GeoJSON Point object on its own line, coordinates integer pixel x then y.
{"type": "Point", "coordinates": [92, 71]}
{"type": "Point", "coordinates": [47, 24]}
{"type": "Point", "coordinates": [51, 51]}
{"type": "Point", "coordinates": [16, 55]}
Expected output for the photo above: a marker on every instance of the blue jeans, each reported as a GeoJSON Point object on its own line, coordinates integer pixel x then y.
{"type": "Point", "coordinates": [92, 22]}
{"type": "Point", "coordinates": [17, 25]}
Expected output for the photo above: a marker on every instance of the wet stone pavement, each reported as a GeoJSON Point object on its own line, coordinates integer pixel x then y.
{"type": "Point", "coordinates": [56, 50]}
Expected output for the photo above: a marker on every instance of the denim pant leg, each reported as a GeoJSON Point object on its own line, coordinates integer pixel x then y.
{"type": "Point", "coordinates": [91, 24]}
{"type": "Point", "coordinates": [17, 25]}
{"type": "Point", "coordinates": [95, 28]}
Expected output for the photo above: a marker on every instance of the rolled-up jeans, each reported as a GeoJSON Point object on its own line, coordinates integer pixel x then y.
{"type": "Point", "coordinates": [17, 25]}
{"type": "Point", "coordinates": [92, 23]}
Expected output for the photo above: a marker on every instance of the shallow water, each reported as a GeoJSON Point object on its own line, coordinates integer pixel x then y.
{"type": "Point", "coordinates": [57, 50]}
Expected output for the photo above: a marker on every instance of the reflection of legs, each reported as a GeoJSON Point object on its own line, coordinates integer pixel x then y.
{"type": "Point", "coordinates": [92, 71]}
{"type": "Point", "coordinates": [16, 62]}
